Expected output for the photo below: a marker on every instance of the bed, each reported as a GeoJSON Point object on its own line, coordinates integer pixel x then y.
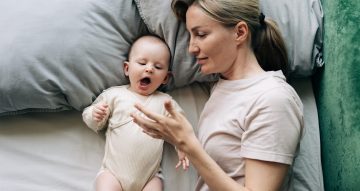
{"type": "Point", "coordinates": [57, 56]}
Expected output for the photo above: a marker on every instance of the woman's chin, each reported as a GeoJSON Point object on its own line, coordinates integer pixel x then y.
{"type": "Point", "coordinates": [205, 71]}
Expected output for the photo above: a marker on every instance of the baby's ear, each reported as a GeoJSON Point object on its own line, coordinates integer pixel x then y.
{"type": "Point", "coordinates": [126, 68]}
{"type": "Point", "coordinates": [167, 77]}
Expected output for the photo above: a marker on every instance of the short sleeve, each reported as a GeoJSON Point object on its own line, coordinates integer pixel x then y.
{"type": "Point", "coordinates": [274, 128]}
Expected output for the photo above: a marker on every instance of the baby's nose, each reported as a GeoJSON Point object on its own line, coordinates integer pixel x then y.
{"type": "Point", "coordinates": [149, 69]}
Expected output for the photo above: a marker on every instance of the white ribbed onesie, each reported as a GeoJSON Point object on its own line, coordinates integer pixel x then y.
{"type": "Point", "coordinates": [130, 155]}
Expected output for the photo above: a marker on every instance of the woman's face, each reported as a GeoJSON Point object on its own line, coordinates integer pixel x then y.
{"type": "Point", "coordinates": [213, 45]}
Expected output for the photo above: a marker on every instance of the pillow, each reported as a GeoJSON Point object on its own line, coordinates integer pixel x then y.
{"type": "Point", "coordinates": [299, 21]}
{"type": "Point", "coordinates": [165, 25]}
{"type": "Point", "coordinates": [301, 24]}
{"type": "Point", "coordinates": [60, 54]}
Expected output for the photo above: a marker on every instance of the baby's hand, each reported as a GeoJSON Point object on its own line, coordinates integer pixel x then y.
{"type": "Point", "coordinates": [100, 110]}
{"type": "Point", "coordinates": [183, 160]}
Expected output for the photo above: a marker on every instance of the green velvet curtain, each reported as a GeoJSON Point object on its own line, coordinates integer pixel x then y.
{"type": "Point", "coordinates": [337, 90]}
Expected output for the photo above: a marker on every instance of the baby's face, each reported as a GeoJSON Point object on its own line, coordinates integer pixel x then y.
{"type": "Point", "coordinates": [148, 66]}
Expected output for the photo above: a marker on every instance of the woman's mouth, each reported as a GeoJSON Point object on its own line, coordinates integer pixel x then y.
{"type": "Point", "coordinates": [201, 60]}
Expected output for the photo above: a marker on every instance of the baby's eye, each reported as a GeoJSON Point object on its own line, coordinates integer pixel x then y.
{"type": "Point", "coordinates": [158, 67]}
{"type": "Point", "coordinates": [142, 63]}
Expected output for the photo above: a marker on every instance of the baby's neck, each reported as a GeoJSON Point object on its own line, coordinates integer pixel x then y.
{"type": "Point", "coordinates": [139, 96]}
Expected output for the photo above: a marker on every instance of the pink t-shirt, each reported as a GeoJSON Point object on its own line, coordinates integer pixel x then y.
{"type": "Point", "coordinates": [258, 118]}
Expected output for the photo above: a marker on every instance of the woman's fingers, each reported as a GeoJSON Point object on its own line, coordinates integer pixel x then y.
{"type": "Point", "coordinates": [152, 134]}
{"type": "Point", "coordinates": [149, 114]}
{"type": "Point", "coordinates": [169, 107]}
{"type": "Point", "coordinates": [187, 163]}
{"type": "Point", "coordinates": [149, 127]}
{"type": "Point", "coordinates": [184, 163]}
{"type": "Point", "coordinates": [178, 164]}
{"type": "Point", "coordinates": [141, 121]}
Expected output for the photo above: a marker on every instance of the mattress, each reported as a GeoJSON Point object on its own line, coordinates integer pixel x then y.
{"type": "Point", "coordinates": [56, 151]}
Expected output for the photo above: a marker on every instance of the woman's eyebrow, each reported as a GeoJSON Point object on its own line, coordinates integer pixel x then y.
{"type": "Point", "coordinates": [195, 28]}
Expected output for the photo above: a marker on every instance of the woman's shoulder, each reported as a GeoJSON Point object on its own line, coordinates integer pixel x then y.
{"type": "Point", "coordinates": [280, 94]}
{"type": "Point", "coordinates": [272, 89]}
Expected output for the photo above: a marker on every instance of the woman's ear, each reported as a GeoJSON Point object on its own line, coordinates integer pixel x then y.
{"type": "Point", "coordinates": [126, 68]}
{"type": "Point", "coordinates": [241, 31]}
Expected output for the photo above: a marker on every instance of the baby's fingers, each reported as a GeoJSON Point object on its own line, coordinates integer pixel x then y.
{"type": "Point", "coordinates": [98, 117]}
{"type": "Point", "coordinates": [103, 107]}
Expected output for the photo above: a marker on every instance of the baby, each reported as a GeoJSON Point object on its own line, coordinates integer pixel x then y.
{"type": "Point", "coordinates": [132, 158]}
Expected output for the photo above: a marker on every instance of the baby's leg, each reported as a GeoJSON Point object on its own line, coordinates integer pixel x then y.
{"type": "Point", "coordinates": [155, 184]}
{"type": "Point", "coordinates": [106, 181]}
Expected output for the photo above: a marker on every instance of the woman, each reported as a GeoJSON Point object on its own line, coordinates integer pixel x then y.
{"type": "Point", "coordinates": [251, 125]}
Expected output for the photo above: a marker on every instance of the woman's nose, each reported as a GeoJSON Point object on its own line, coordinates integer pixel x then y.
{"type": "Point", "coordinates": [193, 48]}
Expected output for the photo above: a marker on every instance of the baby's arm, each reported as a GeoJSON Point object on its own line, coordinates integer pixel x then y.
{"type": "Point", "coordinates": [100, 112]}
{"type": "Point", "coordinates": [183, 160]}
{"type": "Point", "coordinates": [96, 115]}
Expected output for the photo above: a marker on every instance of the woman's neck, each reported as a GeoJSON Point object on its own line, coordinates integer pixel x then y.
{"type": "Point", "coordinates": [244, 66]}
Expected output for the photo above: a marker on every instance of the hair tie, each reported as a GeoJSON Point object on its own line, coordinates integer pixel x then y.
{"type": "Point", "coordinates": [262, 19]}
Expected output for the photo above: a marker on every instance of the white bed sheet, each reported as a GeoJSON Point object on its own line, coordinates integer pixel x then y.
{"type": "Point", "coordinates": [57, 152]}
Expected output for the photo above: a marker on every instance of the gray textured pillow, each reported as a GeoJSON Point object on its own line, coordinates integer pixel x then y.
{"type": "Point", "coordinates": [60, 54]}
{"type": "Point", "coordinates": [160, 20]}
{"type": "Point", "coordinates": [300, 22]}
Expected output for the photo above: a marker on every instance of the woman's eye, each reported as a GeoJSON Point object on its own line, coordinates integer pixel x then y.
{"type": "Point", "coordinates": [201, 35]}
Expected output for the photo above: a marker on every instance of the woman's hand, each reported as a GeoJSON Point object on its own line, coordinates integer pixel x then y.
{"type": "Point", "coordinates": [174, 128]}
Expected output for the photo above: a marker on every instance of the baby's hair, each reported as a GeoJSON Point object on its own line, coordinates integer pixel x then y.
{"type": "Point", "coordinates": [155, 37]}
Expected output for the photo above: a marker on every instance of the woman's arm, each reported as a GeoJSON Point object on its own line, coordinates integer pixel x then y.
{"type": "Point", "coordinates": [209, 170]}
{"type": "Point", "coordinates": [259, 175]}
{"type": "Point", "coordinates": [263, 175]}
{"type": "Point", "coordinates": [175, 129]}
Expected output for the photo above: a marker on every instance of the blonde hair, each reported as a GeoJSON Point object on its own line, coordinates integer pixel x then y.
{"type": "Point", "coordinates": [266, 40]}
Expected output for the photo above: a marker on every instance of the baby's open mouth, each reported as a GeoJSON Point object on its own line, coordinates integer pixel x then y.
{"type": "Point", "coordinates": [145, 81]}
